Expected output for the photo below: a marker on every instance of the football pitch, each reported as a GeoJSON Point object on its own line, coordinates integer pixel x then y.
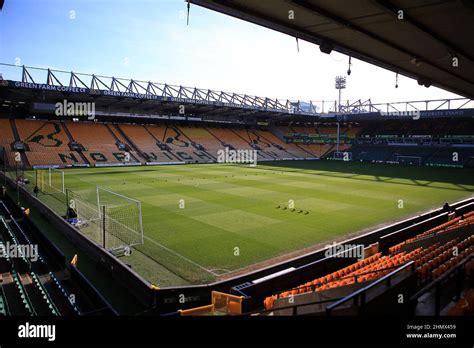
{"type": "Point", "coordinates": [205, 221]}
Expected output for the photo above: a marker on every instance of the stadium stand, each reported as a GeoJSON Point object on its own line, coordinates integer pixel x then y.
{"type": "Point", "coordinates": [432, 259]}
{"type": "Point", "coordinates": [34, 280]}
{"type": "Point", "coordinates": [201, 137]}
{"type": "Point", "coordinates": [255, 142]}
{"type": "Point", "coordinates": [180, 146]}
{"type": "Point", "coordinates": [320, 141]}
{"type": "Point", "coordinates": [426, 142]}
{"type": "Point", "coordinates": [122, 141]}
{"type": "Point", "coordinates": [146, 143]}
{"type": "Point", "coordinates": [47, 143]}
{"type": "Point", "coordinates": [229, 138]}
{"type": "Point", "coordinates": [465, 220]}
{"type": "Point", "coordinates": [98, 143]}
{"type": "Point", "coordinates": [280, 148]}
{"type": "Point", "coordinates": [7, 139]}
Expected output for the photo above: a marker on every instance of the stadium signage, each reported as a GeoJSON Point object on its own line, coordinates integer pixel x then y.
{"type": "Point", "coordinates": [444, 113]}
{"type": "Point", "coordinates": [130, 95]}
{"type": "Point", "coordinates": [148, 96]}
{"type": "Point", "coordinates": [379, 115]}
{"type": "Point", "coordinates": [68, 89]}
{"type": "Point", "coordinates": [217, 103]}
{"type": "Point", "coordinates": [47, 87]}
{"type": "Point", "coordinates": [191, 101]}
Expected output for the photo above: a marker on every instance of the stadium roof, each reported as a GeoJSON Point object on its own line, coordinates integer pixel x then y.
{"type": "Point", "coordinates": [40, 89]}
{"type": "Point", "coordinates": [422, 45]}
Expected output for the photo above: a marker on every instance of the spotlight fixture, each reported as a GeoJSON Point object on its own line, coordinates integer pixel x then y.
{"type": "Point", "coordinates": [424, 82]}
{"type": "Point", "coordinates": [326, 47]}
{"type": "Point", "coordinates": [340, 84]}
{"type": "Point", "coordinates": [349, 69]}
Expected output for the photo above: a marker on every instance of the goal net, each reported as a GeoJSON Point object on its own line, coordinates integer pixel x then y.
{"type": "Point", "coordinates": [49, 186]}
{"type": "Point", "coordinates": [83, 213]}
{"type": "Point", "coordinates": [121, 219]}
{"type": "Point", "coordinates": [50, 180]}
{"type": "Point", "coordinates": [108, 218]}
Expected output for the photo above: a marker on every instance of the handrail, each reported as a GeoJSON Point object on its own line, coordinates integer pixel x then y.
{"type": "Point", "coordinates": [355, 276]}
{"type": "Point", "coordinates": [364, 289]}
{"type": "Point", "coordinates": [329, 300]}
{"type": "Point", "coordinates": [295, 306]}
{"type": "Point", "coordinates": [441, 278]}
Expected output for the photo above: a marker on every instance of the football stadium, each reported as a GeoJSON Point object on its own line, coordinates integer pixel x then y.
{"type": "Point", "coordinates": [127, 197]}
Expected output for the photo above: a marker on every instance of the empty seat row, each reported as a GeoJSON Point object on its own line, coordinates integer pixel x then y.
{"type": "Point", "coordinates": [370, 268]}
{"type": "Point", "coordinates": [461, 221]}
{"type": "Point", "coordinates": [443, 258]}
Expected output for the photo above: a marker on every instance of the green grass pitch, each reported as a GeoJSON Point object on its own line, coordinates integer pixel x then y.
{"type": "Point", "coordinates": [203, 221]}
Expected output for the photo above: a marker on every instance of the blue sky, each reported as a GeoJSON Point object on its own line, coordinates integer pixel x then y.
{"type": "Point", "coordinates": [149, 40]}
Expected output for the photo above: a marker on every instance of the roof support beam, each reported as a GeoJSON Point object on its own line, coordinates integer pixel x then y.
{"type": "Point", "coordinates": [345, 23]}
{"type": "Point", "coordinates": [390, 7]}
{"type": "Point", "coordinates": [236, 10]}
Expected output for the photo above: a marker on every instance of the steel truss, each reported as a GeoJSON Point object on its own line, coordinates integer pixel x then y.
{"type": "Point", "coordinates": [92, 83]}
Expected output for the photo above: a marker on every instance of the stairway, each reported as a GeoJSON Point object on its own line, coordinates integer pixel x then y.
{"type": "Point", "coordinates": [117, 140]}
{"type": "Point", "coordinates": [71, 140]}
{"type": "Point", "coordinates": [130, 142]}
{"type": "Point", "coordinates": [24, 159]}
{"type": "Point", "coordinates": [159, 142]}
{"type": "Point", "coordinates": [193, 142]}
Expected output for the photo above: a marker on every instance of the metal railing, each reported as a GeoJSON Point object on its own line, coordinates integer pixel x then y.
{"type": "Point", "coordinates": [457, 271]}
{"type": "Point", "coordinates": [359, 296]}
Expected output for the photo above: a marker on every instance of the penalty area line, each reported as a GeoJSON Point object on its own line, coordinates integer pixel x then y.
{"type": "Point", "coordinates": [181, 256]}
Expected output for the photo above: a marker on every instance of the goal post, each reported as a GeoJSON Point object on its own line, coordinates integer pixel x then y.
{"type": "Point", "coordinates": [112, 220]}
{"type": "Point", "coordinates": [50, 180]}
{"type": "Point", "coordinates": [123, 219]}
{"type": "Point", "coordinates": [83, 214]}
{"type": "Point", "coordinates": [56, 179]}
